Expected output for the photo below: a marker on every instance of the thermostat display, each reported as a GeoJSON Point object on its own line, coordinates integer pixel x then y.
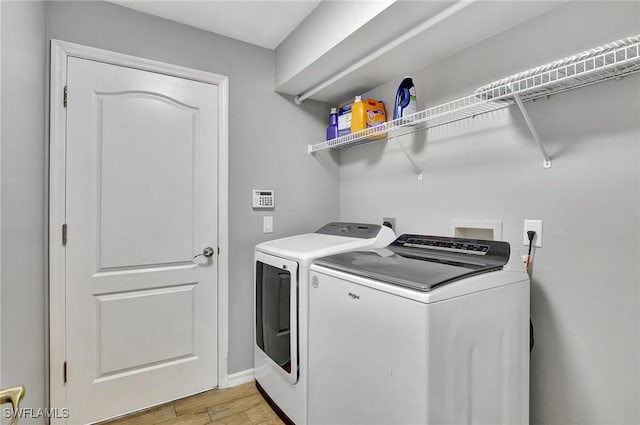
{"type": "Point", "coordinates": [262, 198]}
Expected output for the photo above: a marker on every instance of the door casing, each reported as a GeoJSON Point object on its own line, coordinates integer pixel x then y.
{"type": "Point", "coordinates": [60, 51]}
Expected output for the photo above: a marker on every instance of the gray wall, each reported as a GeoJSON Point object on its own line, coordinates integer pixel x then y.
{"type": "Point", "coordinates": [584, 298]}
{"type": "Point", "coordinates": [23, 199]}
{"type": "Point", "coordinates": [267, 149]}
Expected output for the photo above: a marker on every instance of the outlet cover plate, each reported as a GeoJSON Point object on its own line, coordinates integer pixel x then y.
{"type": "Point", "coordinates": [267, 224]}
{"type": "Point", "coordinates": [392, 221]}
{"type": "Point", "coordinates": [536, 226]}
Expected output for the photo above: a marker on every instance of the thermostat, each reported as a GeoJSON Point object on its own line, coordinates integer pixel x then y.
{"type": "Point", "coordinates": [262, 198]}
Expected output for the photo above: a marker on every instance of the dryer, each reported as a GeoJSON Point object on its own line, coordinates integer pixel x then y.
{"type": "Point", "coordinates": [431, 330]}
{"type": "Point", "coordinates": [281, 300]}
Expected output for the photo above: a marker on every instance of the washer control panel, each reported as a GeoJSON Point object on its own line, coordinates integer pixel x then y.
{"type": "Point", "coordinates": [467, 247]}
{"type": "Point", "coordinates": [262, 198]}
{"type": "Point", "coordinates": [460, 250]}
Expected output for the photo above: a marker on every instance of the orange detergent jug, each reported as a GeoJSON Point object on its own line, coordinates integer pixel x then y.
{"type": "Point", "coordinates": [376, 115]}
{"type": "Point", "coordinates": [366, 114]}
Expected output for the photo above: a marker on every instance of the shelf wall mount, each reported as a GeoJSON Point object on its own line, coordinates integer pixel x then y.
{"type": "Point", "coordinates": [546, 163]}
{"type": "Point", "coordinates": [415, 166]}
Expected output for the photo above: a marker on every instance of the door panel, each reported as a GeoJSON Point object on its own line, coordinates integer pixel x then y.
{"type": "Point", "coordinates": [124, 320]}
{"type": "Point", "coordinates": [141, 199]}
{"type": "Point", "coordinates": [160, 227]}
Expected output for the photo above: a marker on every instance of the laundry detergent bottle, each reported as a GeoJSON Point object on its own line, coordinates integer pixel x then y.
{"type": "Point", "coordinates": [405, 103]}
{"type": "Point", "coordinates": [376, 115]}
{"type": "Point", "coordinates": [358, 115]}
{"type": "Point", "coordinates": [332, 130]}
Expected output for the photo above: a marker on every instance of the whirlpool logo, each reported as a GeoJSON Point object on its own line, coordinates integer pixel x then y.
{"type": "Point", "coordinates": [354, 296]}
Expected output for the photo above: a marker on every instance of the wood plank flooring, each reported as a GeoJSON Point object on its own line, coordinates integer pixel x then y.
{"type": "Point", "coordinates": [241, 405]}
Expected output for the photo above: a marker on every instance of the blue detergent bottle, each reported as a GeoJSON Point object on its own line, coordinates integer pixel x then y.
{"type": "Point", "coordinates": [406, 103]}
{"type": "Point", "coordinates": [332, 130]}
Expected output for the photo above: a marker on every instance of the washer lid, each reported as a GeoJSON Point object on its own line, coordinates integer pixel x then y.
{"type": "Point", "coordinates": [329, 239]}
{"type": "Point", "coordinates": [422, 262]}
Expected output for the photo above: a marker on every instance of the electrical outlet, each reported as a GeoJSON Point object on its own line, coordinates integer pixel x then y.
{"type": "Point", "coordinates": [391, 221]}
{"type": "Point", "coordinates": [267, 224]}
{"type": "Point", "coordinates": [536, 226]}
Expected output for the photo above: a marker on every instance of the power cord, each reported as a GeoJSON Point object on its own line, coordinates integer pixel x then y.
{"type": "Point", "coordinates": [530, 234]}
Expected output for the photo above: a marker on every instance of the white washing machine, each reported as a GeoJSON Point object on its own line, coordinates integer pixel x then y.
{"type": "Point", "coordinates": [431, 330]}
{"type": "Point", "coordinates": [281, 300]}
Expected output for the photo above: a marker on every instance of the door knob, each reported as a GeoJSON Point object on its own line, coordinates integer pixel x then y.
{"type": "Point", "coordinates": [207, 252]}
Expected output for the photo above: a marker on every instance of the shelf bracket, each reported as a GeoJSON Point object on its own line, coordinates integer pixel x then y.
{"type": "Point", "coordinates": [416, 169]}
{"type": "Point", "coordinates": [547, 160]}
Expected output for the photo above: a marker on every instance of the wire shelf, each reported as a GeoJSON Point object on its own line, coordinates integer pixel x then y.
{"type": "Point", "coordinates": [456, 110]}
{"type": "Point", "coordinates": [613, 60]}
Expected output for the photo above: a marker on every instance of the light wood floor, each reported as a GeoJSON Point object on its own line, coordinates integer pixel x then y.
{"type": "Point", "coordinates": [241, 405]}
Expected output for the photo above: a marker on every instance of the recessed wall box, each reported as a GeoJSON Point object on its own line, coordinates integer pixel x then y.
{"type": "Point", "coordinates": [490, 230]}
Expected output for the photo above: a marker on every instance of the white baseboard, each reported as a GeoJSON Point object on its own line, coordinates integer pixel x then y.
{"type": "Point", "coordinates": [240, 378]}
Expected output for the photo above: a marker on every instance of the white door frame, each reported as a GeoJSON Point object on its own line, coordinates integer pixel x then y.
{"type": "Point", "coordinates": [60, 51]}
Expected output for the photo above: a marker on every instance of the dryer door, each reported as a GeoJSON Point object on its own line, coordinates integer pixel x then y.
{"type": "Point", "coordinates": [276, 308]}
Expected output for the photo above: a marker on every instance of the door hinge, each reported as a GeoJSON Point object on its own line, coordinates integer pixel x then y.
{"type": "Point", "coordinates": [64, 234]}
{"type": "Point", "coordinates": [66, 96]}
{"type": "Point", "coordinates": [218, 250]}
{"type": "Point", "coordinates": [64, 372]}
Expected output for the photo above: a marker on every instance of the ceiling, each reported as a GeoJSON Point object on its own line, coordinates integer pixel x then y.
{"type": "Point", "coordinates": [456, 31]}
{"type": "Point", "coordinates": [264, 23]}
{"type": "Point", "coordinates": [436, 29]}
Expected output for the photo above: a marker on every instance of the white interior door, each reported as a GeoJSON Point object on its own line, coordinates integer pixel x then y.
{"type": "Point", "coordinates": [141, 201]}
